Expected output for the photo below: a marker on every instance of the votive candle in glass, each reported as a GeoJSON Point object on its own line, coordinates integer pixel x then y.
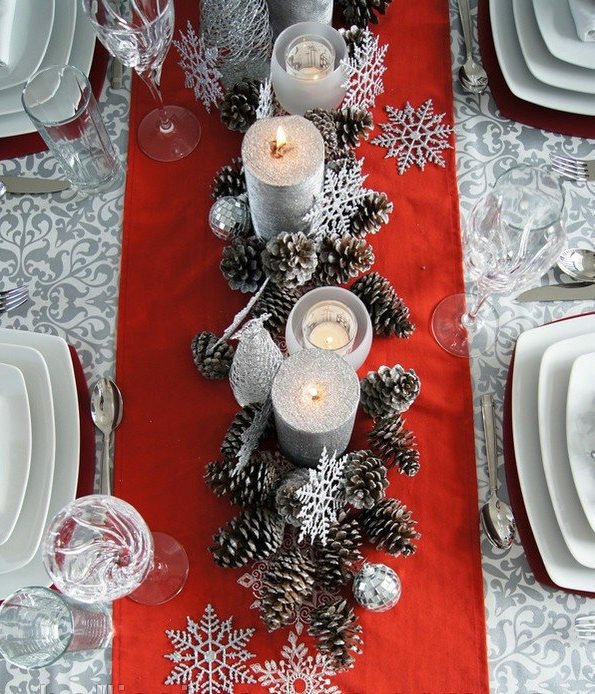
{"type": "Point", "coordinates": [310, 57]}
{"type": "Point", "coordinates": [315, 396]}
{"type": "Point", "coordinates": [284, 167]}
{"type": "Point", "coordinates": [330, 325]}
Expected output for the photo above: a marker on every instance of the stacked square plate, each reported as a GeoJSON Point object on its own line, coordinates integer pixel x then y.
{"type": "Point", "coordinates": [52, 32]}
{"type": "Point", "coordinates": [553, 425]}
{"type": "Point", "coordinates": [541, 57]}
{"type": "Point", "coordinates": [39, 449]}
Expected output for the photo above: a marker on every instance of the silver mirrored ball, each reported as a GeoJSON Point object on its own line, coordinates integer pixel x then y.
{"type": "Point", "coordinates": [229, 216]}
{"type": "Point", "coordinates": [376, 587]}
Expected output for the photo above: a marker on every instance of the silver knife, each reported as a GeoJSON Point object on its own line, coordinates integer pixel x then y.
{"type": "Point", "coordinates": [560, 292]}
{"type": "Point", "coordinates": [24, 184]}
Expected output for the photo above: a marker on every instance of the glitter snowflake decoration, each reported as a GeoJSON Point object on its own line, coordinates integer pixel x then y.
{"type": "Point", "coordinates": [297, 667]}
{"type": "Point", "coordinates": [266, 100]}
{"type": "Point", "coordinates": [321, 497]}
{"type": "Point", "coordinates": [209, 656]}
{"type": "Point", "coordinates": [364, 70]}
{"type": "Point", "coordinates": [199, 64]}
{"type": "Point", "coordinates": [342, 192]}
{"type": "Point", "coordinates": [414, 136]}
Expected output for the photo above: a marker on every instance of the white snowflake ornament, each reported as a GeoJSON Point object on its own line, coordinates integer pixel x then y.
{"type": "Point", "coordinates": [297, 668]}
{"type": "Point", "coordinates": [364, 70]}
{"type": "Point", "coordinates": [199, 64]}
{"type": "Point", "coordinates": [414, 136]}
{"type": "Point", "coordinates": [209, 656]}
{"type": "Point", "coordinates": [321, 498]}
{"type": "Point", "coordinates": [266, 100]}
{"type": "Point", "coordinates": [342, 191]}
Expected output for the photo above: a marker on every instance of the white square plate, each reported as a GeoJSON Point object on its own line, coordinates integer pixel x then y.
{"type": "Point", "coordinates": [558, 29]}
{"type": "Point", "coordinates": [15, 446]}
{"type": "Point", "coordinates": [560, 565]}
{"type": "Point", "coordinates": [26, 536]}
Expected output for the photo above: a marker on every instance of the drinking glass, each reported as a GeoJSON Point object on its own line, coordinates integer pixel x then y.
{"type": "Point", "coordinates": [99, 548]}
{"type": "Point", "coordinates": [38, 626]}
{"type": "Point", "coordinates": [514, 234]}
{"type": "Point", "coordinates": [61, 105]}
{"type": "Point", "coordinates": [140, 38]}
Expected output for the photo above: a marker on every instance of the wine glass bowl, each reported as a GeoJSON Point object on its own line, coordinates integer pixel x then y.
{"type": "Point", "coordinates": [513, 236]}
{"type": "Point", "coordinates": [140, 39]}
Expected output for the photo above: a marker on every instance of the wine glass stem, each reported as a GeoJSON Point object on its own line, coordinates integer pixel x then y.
{"type": "Point", "coordinates": [152, 78]}
{"type": "Point", "coordinates": [469, 318]}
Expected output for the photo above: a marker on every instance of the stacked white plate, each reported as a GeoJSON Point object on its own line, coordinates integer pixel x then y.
{"type": "Point", "coordinates": [553, 424]}
{"type": "Point", "coordinates": [541, 57]}
{"type": "Point", "coordinates": [39, 449]}
{"type": "Point", "coordinates": [52, 32]}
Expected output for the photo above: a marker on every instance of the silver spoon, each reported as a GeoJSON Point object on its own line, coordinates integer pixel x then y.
{"type": "Point", "coordinates": [496, 517]}
{"type": "Point", "coordinates": [106, 412]}
{"type": "Point", "coordinates": [472, 76]}
{"type": "Point", "coordinates": [578, 263]}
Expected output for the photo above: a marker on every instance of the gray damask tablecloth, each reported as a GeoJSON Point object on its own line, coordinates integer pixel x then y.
{"type": "Point", "coordinates": [67, 249]}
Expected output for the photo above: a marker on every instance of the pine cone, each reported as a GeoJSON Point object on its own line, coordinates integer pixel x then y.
{"type": "Point", "coordinates": [395, 444]}
{"type": "Point", "coordinates": [286, 585]}
{"type": "Point", "coordinates": [252, 536]}
{"type": "Point", "coordinates": [351, 123]}
{"type": "Point", "coordinates": [286, 503]}
{"type": "Point", "coordinates": [341, 258]}
{"type": "Point", "coordinates": [390, 527]}
{"type": "Point", "coordinates": [289, 259]}
{"type": "Point", "coordinates": [387, 390]}
{"type": "Point", "coordinates": [336, 562]}
{"type": "Point", "coordinates": [388, 312]}
{"type": "Point", "coordinates": [211, 361]}
{"type": "Point", "coordinates": [361, 12]}
{"type": "Point", "coordinates": [365, 479]}
{"type": "Point", "coordinates": [353, 37]}
{"type": "Point", "coordinates": [238, 106]}
{"type": "Point", "coordinates": [334, 627]}
{"type": "Point", "coordinates": [232, 441]}
{"type": "Point", "coordinates": [325, 122]}
{"type": "Point", "coordinates": [241, 264]}
{"type": "Point", "coordinates": [372, 212]}
{"type": "Point", "coordinates": [229, 180]}
{"type": "Point", "coordinates": [253, 484]}
{"type": "Point", "coordinates": [277, 302]}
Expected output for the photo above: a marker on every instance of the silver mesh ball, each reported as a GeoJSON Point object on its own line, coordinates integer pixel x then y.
{"type": "Point", "coordinates": [376, 587]}
{"type": "Point", "coordinates": [229, 216]}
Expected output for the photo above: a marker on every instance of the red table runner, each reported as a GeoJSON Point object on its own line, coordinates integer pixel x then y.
{"type": "Point", "coordinates": [171, 287]}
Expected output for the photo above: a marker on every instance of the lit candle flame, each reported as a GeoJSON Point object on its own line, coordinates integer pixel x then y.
{"type": "Point", "coordinates": [279, 145]}
{"type": "Point", "coordinates": [328, 341]}
{"type": "Point", "coordinates": [313, 393]}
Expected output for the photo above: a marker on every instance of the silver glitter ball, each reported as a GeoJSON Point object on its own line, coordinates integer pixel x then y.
{"type": "Point", "coordinates": [229, 216]}
{"type": "Point", "coordinates": [376, 587]}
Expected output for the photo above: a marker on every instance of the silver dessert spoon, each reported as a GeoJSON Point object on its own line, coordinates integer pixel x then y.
{"type": "Point", "coordinates": [106, 412]}
{"type": "Point", "coordinates": [496, 517]}
{"type": "Point", "coordinates": [473, 77]}
{"type": "Point", "coordinates": [578, 263]}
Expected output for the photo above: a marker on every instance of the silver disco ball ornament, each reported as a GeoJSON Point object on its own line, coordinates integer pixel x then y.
{"type": "Point", "coordinates": [229, 216]}
{"type": "Point", "coordinates": [376, 587]}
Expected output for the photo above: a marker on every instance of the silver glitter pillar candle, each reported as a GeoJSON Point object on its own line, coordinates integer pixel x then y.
{"type": "Point", "coordinates": [315, 397]}
{"type": "Point", "coordinates": [286, 12]}
{"type": "Point", "coordinates": [282, 180]}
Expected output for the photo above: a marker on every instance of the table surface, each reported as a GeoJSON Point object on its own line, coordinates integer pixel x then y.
{"type": "Point", "coordinates": [67, 249]}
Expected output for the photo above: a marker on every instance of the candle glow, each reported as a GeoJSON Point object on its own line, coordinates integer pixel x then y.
{"type": "Point", "coordinates": [279, 146]}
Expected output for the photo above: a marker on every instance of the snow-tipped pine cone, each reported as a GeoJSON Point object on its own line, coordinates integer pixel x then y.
{"type": "Point", "coordinates": [337, 561]}
{"type": "Point", "coordinates": [395, 444]}
{"type": "Point", "coordinates": [390, 527]}
{"type": "Point", "coordinates": [277, 302]}
{"type": "Point", "coordinates": [212, 361]}
{"type": "Point", "coordinates": [287, 504]}
{"type": "Point", "coordinates": [352, 123]}
{"type": "Point", "coordinates": [238, 106]}
{"type": "Point", "coordinates": [241, 264]}
{"type": "Point", "coordinates": [334, 627]}
{"type": "Point", "coordinates": [371, 213]}
{"type": "Point", "coordinates": [362, 12]}
{"type": "Point", "coordinates": [229, 180]}
{"type": "Point", "coordinates": [365, 479]}
{"type": "Point", "coordinates": [289, 259]}
{"type": "Point", "coordinates": [232, 440]}
{"type": "Point", "coordinates": [388, 391]}
{"type": "Point", "coordinates": [388, 312]}
{"type": "Point", "coordinates": [342, 258]}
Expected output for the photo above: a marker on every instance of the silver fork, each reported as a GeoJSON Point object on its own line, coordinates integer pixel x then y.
{"type": "Point", "coordinates": [585, 626]}
{"type": "Point", "coordinates": [575, 169]}
{"type": "Point", "coordinates": [12, 298]}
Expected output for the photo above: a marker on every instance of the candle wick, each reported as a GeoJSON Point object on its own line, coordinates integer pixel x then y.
{"type": "Point", "coordinates": [279, 151]}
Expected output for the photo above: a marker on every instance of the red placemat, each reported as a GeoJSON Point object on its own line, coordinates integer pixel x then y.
{"type": "Point", "coordinates": [517, 109]}
{"type": "Point", "coordinates": [171, 287]}
{"type": "Point", "coordinates": [22, 145]}
{"type": "Point", "coordinates": [516, 496]}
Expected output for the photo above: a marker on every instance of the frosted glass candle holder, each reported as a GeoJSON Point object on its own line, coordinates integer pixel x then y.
{"type": "Point", "coordinates": [296, 93]}
{"type": "Point", "coordinates": [359, 346]}
{"type": "Point", "coordinates": [330, 325]}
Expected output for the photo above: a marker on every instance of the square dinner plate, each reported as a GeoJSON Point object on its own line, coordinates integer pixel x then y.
{"type": "Point", "coordinates": [560, 565]}
{"type": "Point", "coordinates": [24, 540]}
{"type": "Point", "coordinates": [15, 446]}
{"type": "Point", "coordinates": [558, 29]}
{"type": "Point", "coordinates": [55, 351]}
{"type": "Point", "coordinates": [554, 374]}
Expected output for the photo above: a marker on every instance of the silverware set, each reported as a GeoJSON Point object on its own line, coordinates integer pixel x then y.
{"type": "Point", "coordinates": [574, 169]}
{"type": "Point", "coordinates": [472, 76]}
{"type": "Point", "coordinates": [13, 298]}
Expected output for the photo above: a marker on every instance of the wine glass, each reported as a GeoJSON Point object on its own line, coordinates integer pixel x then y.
{"type": "Point", "coordinates": [140, 38]}
{"type": "Point", "coordinates": [98, 548]}
{"type": "Point", "coordinates": [514, 234]}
